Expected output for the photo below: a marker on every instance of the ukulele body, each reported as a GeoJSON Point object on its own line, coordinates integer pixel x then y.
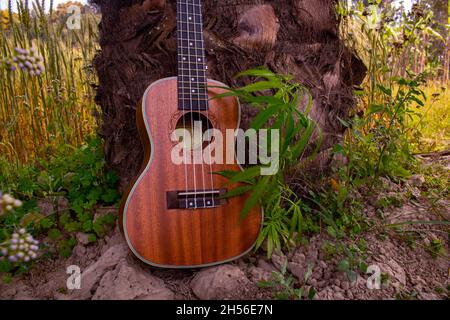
{"type": "Point", "coordinates": [157, 230]}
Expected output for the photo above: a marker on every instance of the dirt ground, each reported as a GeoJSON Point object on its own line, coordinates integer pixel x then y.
{"type": "Point", "coordinates": [402, 256]}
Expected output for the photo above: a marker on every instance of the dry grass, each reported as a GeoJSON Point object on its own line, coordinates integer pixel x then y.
{"type": "Point", "coordinates": [55, 107]}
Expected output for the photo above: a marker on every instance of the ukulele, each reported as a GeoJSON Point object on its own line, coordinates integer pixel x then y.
{"type": "Point", "coordinates": [175, 215]}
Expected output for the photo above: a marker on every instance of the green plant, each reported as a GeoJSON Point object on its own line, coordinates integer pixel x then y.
{"type": "Point", "coordinates": [354, 256]}
{"type": "Point", "coordinates": [388, 201]}
{"type": "Point", "coordinates": [75, 174]}
{"type": "Point", "coordinates": [292, 132]}
{"type": "Point", "coordinates": [340, 212]}
{"type": "Point", "coordinates": [285, 288]}
{"type": "Point", "coordinates": [393, 97]}
{"type": "Point", "coordinates": [429, 127]}
{"type": "Point", "coordinates": [436, 248]}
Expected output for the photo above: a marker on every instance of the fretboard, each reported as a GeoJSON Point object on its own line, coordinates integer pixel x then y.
{"type": "Point", "coordinates": [192, 79]}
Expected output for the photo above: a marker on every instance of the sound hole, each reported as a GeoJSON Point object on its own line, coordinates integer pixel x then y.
{"type": "Point", "coordinates": [197, 124]}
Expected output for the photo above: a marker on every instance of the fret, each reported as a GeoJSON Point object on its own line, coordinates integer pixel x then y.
{"type": "Point", "coordinates": [193, 83]}
{"type": "Point", "coordinates": [189, 92]}
{"type": "Point", "coordinates": [190, 69]}
{"type": "Point", "coordinates": [190, 17]}
{"type": "Point", "coordinates": [190, 7]}
{"type": "Point", "coordinates": [184, 34]}
{"type": "Point", "coordinates": [196, 105]}
{"type": "Point", "coordinates": [191, 59]}
{"type": "Point", "coordinates": [188, 82]}
{"type": "Point", "coordinates": [190, 44]}
{"type": "Point", "coordinates": [191, 86]}
{"type": "Point", "coordinates": [185, 97]}
{"type": "Point", "coordinates": [191, 52]}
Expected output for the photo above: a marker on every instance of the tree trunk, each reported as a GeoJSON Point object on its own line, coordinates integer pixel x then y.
{"type": "Point", "coordinates": [297, 37]}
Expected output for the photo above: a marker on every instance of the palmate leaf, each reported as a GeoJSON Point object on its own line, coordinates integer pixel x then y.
{"type": "Point", "coordinates": [230, 92]}
{"type": "Point", "coordinates": [257, 72]}
{"type": "Point", "coordinates": [291, 132]}
{"type": "Point", "coordinates": [296, 221]}
{"type": "Point", "coordinates": [258, 191]}
{"type": "Point", "coordinates": [262, 236]}
{"type": "Point", "coordinates": [262, 86]}
{"type": "Point", "coordinates": [227, 173]}
{"type": "Point", "coordinates": [265, 100]}
{"type": "Point", "coordinates": [264, 116]}
{"type": "Point", "coordinates": [247, 175]}
{"type": "Point", "coordinates": [238, 191]}
{"type": "Point", "coordinates": [301, 145]}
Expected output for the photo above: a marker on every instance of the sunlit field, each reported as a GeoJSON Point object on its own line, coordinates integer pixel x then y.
{"type": "Point", "coordinates": [433, 121]}
{"type": "Point", "coordinates": [46, 81]}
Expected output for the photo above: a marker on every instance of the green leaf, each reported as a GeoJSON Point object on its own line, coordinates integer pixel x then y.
{"type": "Point", "coordinates": [301, 145]}
{"type": "Point", "coordinates": [92, 238]}
{"type": "Point", "coordinates": [262, 86]}
{"type": "Point", "coordinates": [363, 267]}
{"type": "Point", "coordinates": [87, 226]}
{"type": "Point", "coordinates": [5, 266]}
{"type": "Point", "coordinates": [290, 133]}
{"type": "Point", "coordinates": [246, 175]}
{"type": "Point", "coordinates": [227, 173]}
{"type": "Point", "coordinates": [263, 117]}
{"type": "Point", "coordinates": [376, 108]}
{"type": "Point", "coordinates": [46, 223]}
{"type": "Point", "coordinates": [311, 293]}
{"type": "Point", "coordinates": [257, 72]}
{"type": "Point", "coordinates": [230, 93]}
{"type": "Point", "coordinates": [54, 234]}
{"type": "Point", "coordinates": [264, 100]}
{"type": "Point", "coordinates": [255, 197]}
{"type": "Point", "coordinates": [434, 33]}
{"type": "Point", "coordinates": [237, 191]}
{"type": "Point", "coordinates": [264, 284]}
{"type": "Point", "coordinates": [66, 247]}
{"type": "Point", "coordinates": [352, 276]}
{"type": "Point", "coordinates": [385, 90]}
{"type": "Point", "coordinates": [344, 266]}
{"type": "Point", "coordinates": [110, 196]}
{"type": "Point", "coordinates": [262, 236]}
{"type": "Point", "coordinates": [418, 101]}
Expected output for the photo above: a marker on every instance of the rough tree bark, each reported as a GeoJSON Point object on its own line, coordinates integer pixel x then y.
{"type": "Point", "coordinates": [298, 37]}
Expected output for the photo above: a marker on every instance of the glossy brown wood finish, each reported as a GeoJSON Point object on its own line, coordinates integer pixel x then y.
{"type": "Point", "coordinates": [183, 238]}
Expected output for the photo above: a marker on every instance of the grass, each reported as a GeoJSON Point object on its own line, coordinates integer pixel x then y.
{"type": "Point", "coordinates": [52, 108]}
{"type": "Point", "coordinates": [433, 120]}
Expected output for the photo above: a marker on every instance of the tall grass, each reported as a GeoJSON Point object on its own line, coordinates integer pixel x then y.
{"type": "Point", "coordinates": [56, 106]}
{"type": "Point", "coordinates": [401, 110]}
{"type": "Point", "coordinates": [432, 124]}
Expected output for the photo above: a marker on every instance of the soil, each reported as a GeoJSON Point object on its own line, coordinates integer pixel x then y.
{"type": "Point", "coordinates": [408, 268]}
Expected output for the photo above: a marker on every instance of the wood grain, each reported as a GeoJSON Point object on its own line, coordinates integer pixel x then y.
{"type": "Point", "coordinates": [183, 238]}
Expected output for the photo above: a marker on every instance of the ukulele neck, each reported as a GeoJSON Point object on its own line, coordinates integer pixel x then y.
{"type": "Point", "coordinates": [192, 79]}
